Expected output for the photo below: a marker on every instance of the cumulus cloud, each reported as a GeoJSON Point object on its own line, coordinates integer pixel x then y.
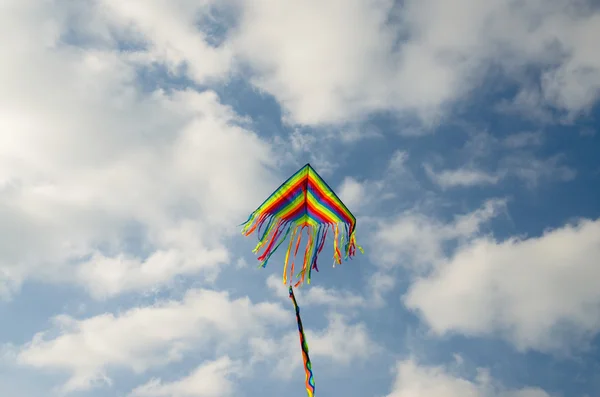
{"type": "Point", "coordinates": [415, 380]}
{"type": "Point", "coordinates": [97, 171]}
{"type": "Point", "coordinates": [538, 292]}
{"type": "Point", "coordinates": [317, 295]}
{"type": "Point", "coordinates": [364, 195]}
{"type": "Point", "coordinates": [211, 379]}
{"type": "Point", "coordinates": [417, 241]}
{"type": "Point", "coordinates": [341, 342]}
{"type": "Point", "coordinates": [352, 192]}
{"type": "Point", "coordinates": [169, 35]}
{"type": "Point", "coordinates": [311, 49]}
{"type": "Point", "coordinates": [146, 337]}
{"type": "Point", "coordinates": [438, 53]}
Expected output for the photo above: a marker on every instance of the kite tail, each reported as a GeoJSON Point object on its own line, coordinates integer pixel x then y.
{"type": "Point", "coordinates": [352, 245]}
{"type": "Point", "coordinates": [271, 232]}
{"type": "Point", "coordinates": [310, 381]}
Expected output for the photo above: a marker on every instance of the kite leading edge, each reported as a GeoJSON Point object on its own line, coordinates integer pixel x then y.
{"type": "Point", "coordinates": [303, 204]}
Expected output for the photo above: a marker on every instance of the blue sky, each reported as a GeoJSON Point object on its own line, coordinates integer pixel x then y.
{"type": "Point", "coordinates": [138, 135]}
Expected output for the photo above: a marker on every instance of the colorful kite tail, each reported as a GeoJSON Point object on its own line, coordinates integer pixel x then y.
{"type": "Point", "coordinates": [310, 381]}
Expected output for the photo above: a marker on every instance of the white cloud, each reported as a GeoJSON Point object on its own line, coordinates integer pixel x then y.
{"type": "Point", "coordinates": [89, 159]}
{"type": "Point", "coordinates": [415, 380]}
{"type": "Point", "coordinates": [146, 337]}
{"type": "Point", "coordinates": [211, 379]}
{"type": "Point", "coordinates": [533, 170]}
{"type": "Point", "coordinates": [517, 159]}
{"type": "Point", "coordinates": [352, 193]}
{"type": "Point", "coordinates": [302, 49]}
{"type": "Point", "coordinates": [340, 342]}
{"type": "Point", "coordinates": [539, 293]}
{"type": "Point", "coordinates": [360, 195]}
{"type": "Point", "coordinates": [335, 61]}
{"type": "Point", "coordinates": [461, 177]}
{"type": "Point", "coordinates": [380, 284]}
{"type": "Point", "coordinates": [523, 139]}
{"type": "Point", "coordinates": [316, 295]}
{"type": "Point", "coordinates": [109, 276]}
{"type": "Point", "coordinates": [575, 84]}
{"type": "Point", "coordinates": [397, 163]}
{"type": "Point", "coordinates": [417, 241]}
{"type": "Point", "coordinates": [169, 30]}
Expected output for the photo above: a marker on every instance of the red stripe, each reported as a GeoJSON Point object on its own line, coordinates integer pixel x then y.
{"type": "Point", "coordinates": [295, 212]}
{"type": "Point", "coordinates": [289, 191]}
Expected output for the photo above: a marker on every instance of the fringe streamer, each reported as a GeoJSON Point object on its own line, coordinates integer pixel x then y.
{"type": "Point", "coordinates": [272, 233]}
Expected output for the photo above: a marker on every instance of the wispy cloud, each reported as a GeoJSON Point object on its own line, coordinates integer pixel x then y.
{"type": "Point", "coordinates": [415, 240]}
{"type": "Point", "coordinates": [462, 177]}
{"type": "Point", "coordinates": [341, 343]}
{"type": "Point", "coordinates": [212, 379]}
{"type": "Point", "coordinates": [413, 379]}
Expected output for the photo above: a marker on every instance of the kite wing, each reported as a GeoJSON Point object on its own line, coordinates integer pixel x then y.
{"type": "Point", "coordinates": [303, 203]}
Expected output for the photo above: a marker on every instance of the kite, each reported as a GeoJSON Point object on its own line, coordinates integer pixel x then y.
{"type": "Point", "coordinates": [303, 204]}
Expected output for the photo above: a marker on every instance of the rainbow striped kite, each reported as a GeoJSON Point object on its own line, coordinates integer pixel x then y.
{"type": "Point", "coordinates": [303, 203]}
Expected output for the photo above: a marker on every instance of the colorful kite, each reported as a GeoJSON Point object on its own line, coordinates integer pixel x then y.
{"type": "Point", "coordinates": [303, 203]}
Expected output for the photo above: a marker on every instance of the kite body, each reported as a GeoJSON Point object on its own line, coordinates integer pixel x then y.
{"type": "Point", "coordinates": [304, 204]}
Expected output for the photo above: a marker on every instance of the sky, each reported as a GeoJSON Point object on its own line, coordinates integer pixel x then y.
{"type": "Point", "coordinates": [136, 136]}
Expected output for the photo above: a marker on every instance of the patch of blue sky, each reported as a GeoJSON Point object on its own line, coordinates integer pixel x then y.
{"type": "Point", "coordinates": [216, 23]}
{"type": "Point", "coordinates": [32, 308]}
{"type": "Point", "coordinates": [262, 109]}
